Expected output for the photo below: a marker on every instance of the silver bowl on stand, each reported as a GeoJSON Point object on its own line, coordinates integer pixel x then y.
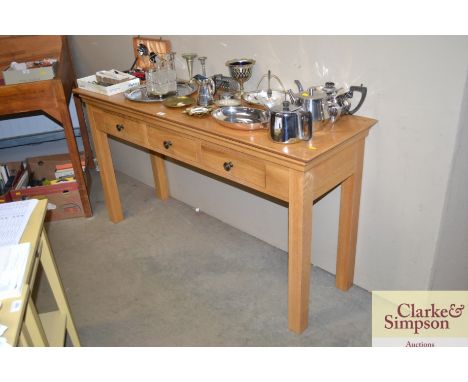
{"type": "Point", "coordinates": [241, 70]}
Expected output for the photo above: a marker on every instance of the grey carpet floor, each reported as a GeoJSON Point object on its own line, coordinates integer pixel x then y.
{"type": "Point", "coordinates": [169, 276]}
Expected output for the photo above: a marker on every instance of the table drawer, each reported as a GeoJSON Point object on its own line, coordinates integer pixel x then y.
{"type": "Point", "coordinates": [231, 164]}
{"type": "Point", "coordinates": [172, 144]}
{"type": "Point", "coordinates": [121, 127]}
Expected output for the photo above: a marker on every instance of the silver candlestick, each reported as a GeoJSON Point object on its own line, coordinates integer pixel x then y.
{"type": "Point", "coordinates": [189, 57]}
{"type": "Point", "coordinates": [172, 59]}
{"type": "Point", "coordinates": [202, 63]}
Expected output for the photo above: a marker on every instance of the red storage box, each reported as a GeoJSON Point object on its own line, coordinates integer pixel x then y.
{"type": "Point", "coordinates": [63, 198]}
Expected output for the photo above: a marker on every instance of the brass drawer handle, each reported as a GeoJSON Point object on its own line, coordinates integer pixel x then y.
{"type": "Point", "coordinates": [228, 165]}
{"type": "Point", "coordinates": [119, 127]}
{"type": "Point", "coordinates": [167, 144]}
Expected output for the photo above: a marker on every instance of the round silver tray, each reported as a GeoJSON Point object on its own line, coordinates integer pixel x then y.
{"type": "Point", "coordinates": [139, 94]}
{"type": "Point", "coordinates": [241, 117]}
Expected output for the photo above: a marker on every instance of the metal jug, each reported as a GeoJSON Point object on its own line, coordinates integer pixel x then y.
{"type": "Point", "coordinates": [206, 90]}
{"type": "Point", "coordinates": [289, 125]}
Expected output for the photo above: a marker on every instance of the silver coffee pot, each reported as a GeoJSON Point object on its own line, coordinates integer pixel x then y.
{"type": "Point", "coordinates": [339, 100]}
{"type": "Point", "coordinates": [327, 103]}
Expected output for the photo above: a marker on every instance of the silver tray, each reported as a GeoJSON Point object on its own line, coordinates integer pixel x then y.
{"type": "Point", "coordinates": [241, 117]}
{"type": "Point", "coordinates": [139, 94]}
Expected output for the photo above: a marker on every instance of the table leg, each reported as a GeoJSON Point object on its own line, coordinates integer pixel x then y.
{"type": "Point", "coordinates": [84, 132]}
{"type": "Point", "coordinates": [106, 171]}
{"type": "Point", "coordinates": [75, 157]}
{"type": "Point", "coordinates": [299, 245]}
{"type": "Point", "coordinates": [25, 338]}
{"type": "Point", "coordinates": [33, 326]}
{"type": "Point", "coordinates": [53, 277]}
{"type": "Point", "coordinates": [348, 226]}
{"type": "Point", "coordinates": [159, 174]}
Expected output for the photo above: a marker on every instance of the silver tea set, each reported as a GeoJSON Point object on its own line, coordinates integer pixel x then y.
{"type": "Point", "coordinates": [308, 111]}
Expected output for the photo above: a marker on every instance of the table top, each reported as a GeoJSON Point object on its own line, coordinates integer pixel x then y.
{"type": "Point", "coordinates": [330, 136]}
{"type": "Point", "coordinates": [31, 234]}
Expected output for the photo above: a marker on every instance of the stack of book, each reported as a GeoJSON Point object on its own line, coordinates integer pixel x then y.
{"type": "Point", "coordinates": [13, 177]}
{"type": "Point", "coordinates": [65, 170]}
{"type": "Point", "coordinates": [6, 179]}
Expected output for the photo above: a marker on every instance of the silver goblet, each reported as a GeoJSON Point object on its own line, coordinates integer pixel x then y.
{"type": "Point", "coordinates": [241, 70]}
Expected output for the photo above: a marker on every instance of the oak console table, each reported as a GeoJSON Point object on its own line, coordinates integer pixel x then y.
{"type": "Point", "coordinates": [296, 174]}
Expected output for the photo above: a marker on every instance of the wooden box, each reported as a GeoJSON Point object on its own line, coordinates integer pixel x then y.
{"type": "Point", "coordinates": [153, 45]}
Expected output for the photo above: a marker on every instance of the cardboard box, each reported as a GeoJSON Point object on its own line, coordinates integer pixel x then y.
{"type": "Point", "coordinates": [90, 83]}
{"type": "Point", "coordinates": [29, 75]}
{"type": "Point", "coordinates": [64, 200]}
{"type": "Point", "coordinates": [44, 166]}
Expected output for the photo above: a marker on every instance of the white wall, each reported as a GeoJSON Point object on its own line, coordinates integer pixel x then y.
{"type": "Point", "coordinates": [450, 271]}
{"type": "Point", "coordinates": [415, 87]}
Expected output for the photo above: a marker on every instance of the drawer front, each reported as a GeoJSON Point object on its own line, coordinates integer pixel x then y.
{"type": "Point", "coordinates": [121, 127]}
{"type": "Point", "coordinates": [277, 181]}
{"type": "Point", "coordinates": [172, 144]}
{"type": "Point", "coordinates": [233, 165]}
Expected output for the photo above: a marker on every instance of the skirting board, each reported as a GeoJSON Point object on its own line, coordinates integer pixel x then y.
{"type": "Point", "coordinates": [32, 139]}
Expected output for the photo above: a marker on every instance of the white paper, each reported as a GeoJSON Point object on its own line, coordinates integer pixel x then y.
{"type": "Point", "coordinates": [18, 66]}
{"type": "Point", "coordinates": [3, 329]}
{"type": "Point", "coordinates": [15, 306]}
{"type": "Point", "coordinates": [13, 219]}
{"type": "Point", "coordinates": [13, 260]}
{"type": "Point", "coordinates": [4, 343]}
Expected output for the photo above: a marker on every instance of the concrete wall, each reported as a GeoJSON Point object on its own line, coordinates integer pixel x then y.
{"type": "Point", "coordinates": [450, 271]}
{"type": "Point", "coordinates": [415, 90]}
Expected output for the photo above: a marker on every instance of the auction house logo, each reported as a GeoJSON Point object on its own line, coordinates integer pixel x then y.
{"type": "Point", "coordinates": [419, 318]}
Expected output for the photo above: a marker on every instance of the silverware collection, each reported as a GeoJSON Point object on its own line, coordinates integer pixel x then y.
{"type": "Point", "coordinates": [290, 116]}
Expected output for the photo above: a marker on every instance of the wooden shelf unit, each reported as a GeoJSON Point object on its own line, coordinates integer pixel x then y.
{"type": "Point", "coordinates": [50, 97]}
